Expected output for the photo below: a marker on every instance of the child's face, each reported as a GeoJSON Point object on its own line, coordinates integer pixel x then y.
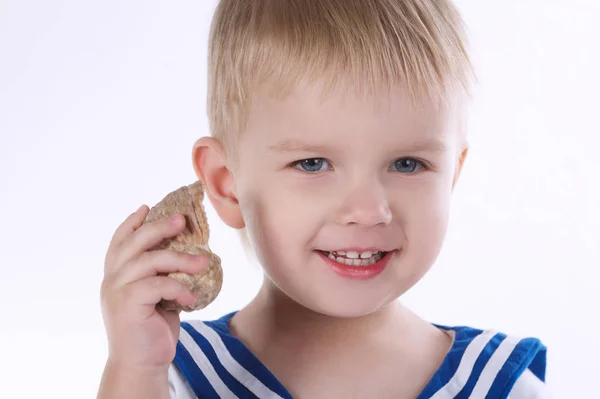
{"type": "Point", "coordinates": [375, 178]}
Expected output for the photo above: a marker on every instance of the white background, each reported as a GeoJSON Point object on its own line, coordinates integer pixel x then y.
{"type": "Point", "coordinates": [100, 103]}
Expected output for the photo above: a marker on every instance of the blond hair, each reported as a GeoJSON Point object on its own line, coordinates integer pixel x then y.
{"type": "Point", "coordinates": [419, 45]}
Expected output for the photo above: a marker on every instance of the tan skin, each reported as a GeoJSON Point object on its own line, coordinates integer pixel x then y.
{"type": "Point", "coordinates": [343, 358]}
{"type": "Point", "coordinates": [142, 337]}
{"type": "Point", "coordinates": [322, 335]}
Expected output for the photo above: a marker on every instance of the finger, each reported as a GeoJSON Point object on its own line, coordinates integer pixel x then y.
{"type": "Point", "coordinates": [153, 263]}
{"type": "Point", "coordinates": [129, 225]}
{"type": "Point", "coordinates": [148, 236]}
{"type": "Point", "coordinates": [173, 319]}
{"type": "Point", "coordinates": [124, 230]}
{"type": "Point", "coordinates": [149, 291]}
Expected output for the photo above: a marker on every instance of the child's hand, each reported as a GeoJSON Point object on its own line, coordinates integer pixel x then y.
{"type": "Point", "coordinates": [141, 335]}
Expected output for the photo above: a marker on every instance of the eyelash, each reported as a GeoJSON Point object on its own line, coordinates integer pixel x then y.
{"type": "Point", "coordinates": [298, 164]}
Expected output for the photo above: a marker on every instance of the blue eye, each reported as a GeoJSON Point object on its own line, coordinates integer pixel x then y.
{"type": "Point", "coordinates": [312, 164]}
{"type": "Point", "coordinates": [407, 165]}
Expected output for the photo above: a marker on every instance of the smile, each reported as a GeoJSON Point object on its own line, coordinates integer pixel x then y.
{"type": "Point", "coordinates": [356, 265]}
{"type": "Point", "coordinates": [353, 258]}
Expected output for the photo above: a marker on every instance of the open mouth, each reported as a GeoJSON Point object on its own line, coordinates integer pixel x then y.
{"type": "Point", "coordinates": [352, 258]}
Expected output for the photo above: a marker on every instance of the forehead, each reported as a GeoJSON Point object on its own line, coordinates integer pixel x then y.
{"type": "Point", "coordinates": [312, 113]}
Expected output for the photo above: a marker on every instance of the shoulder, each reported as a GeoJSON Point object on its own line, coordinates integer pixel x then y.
{"type": "Point", "coordinates": [201, 352]}
{"type": "Point", "coordinates": [529, 386]}
{"type": "Point", "coordinates": [211, 362]}
{"type": "Point", "coordinates": [489, 363]}
{"type": "Point", "coordinates": [203, 355]}
{"type": "Point", "coordinates": [178, 386]}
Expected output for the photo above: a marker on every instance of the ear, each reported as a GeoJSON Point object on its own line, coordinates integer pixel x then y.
{"type": "Point", "coordinates": [459, 165]}
{"type": "Point", "coordinates": [210, 163]}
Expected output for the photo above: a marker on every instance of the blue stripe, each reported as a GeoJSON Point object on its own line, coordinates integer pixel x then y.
{"type": "Point", "coordinates": [463, 336]}
{"type": "Point", "coordinates": [233, 384]}
{"type": "Point", "coordinates": [538, 363]}
{"type": "Point", "coordinates": [480, 363]}
{"type": "Point", "coordinates": [527, 351]}
{"type": "Point", "coordinates": [245, 357]}
{"type": "Point", "coordinates": [193, 374]}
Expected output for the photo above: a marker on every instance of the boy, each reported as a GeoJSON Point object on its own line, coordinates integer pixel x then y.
{"type": "Point", "coordinates": [337, 139]}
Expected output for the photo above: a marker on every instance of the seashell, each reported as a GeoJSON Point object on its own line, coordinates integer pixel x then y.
{"type": "Point", "coordinates": [193, 239]}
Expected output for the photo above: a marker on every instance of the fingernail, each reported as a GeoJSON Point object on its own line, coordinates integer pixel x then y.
{"type": "Point", "coordinates": [175, 218]}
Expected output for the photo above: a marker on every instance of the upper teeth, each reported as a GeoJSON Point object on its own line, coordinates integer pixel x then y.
{"type": "Point", "coordinates": [351, 258]}
{"type": "Point", "coordinates": [354, 254]}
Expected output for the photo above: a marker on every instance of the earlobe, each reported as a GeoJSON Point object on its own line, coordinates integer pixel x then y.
{"type": "Point", "coordinates": [210, 164]}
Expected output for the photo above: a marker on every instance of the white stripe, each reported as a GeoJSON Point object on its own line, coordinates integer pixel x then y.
{"type": "Point", "coordinates": [204, 364]}
{"type": "Point", "coordinates": [253, 384]}
{"type": "Point", "coordinates": [528, 385]}
{"type": "Point", "coordinates": [493, 366]}
{"type": "Point", "coordinates": [461, 376]}
{"type": "Point", "coordinates": [178, 385]}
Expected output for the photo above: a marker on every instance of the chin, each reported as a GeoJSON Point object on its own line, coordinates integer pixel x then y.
{"type": "Point", "coordinates": [347, 313]}
{"type": "Point", "coordinates": [323, 292]}
{"type": "Point", "coordinates": [350, 305]}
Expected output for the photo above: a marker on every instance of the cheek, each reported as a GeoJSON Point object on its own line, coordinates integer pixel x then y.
{"type": "Point", "coordinates": [280, 202]}
{"type": "Point", "coordinates": [426, 220]}
{"type": "Point", "coordinates": [276, 222]}
{"type": "Point", "coordinates": [275, 229]}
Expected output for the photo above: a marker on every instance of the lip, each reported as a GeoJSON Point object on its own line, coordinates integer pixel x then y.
{"type": "Point", "coordinates": [359, 249]}
{"type": "Point", "coordinates": [358, 272]}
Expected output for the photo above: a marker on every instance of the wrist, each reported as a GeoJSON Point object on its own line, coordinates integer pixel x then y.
{"type": "Point", "coordinates": [133, 381]}
{"type": "Point", "coordinates": [134, 370]}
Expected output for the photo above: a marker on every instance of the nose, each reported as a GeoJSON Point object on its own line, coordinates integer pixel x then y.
{"type": "Point", "coordinates": [365, 205]}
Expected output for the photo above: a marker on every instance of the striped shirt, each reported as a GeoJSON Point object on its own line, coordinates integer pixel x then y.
{"type": "Point", "coordinates": [482, 364]}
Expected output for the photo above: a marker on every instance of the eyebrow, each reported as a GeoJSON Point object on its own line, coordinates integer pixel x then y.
{"type": "Point", "coordinates": [296, 146]}
{"type": "Point", "coordinates": [430, 145]}
{"type": "Point", "coordinates": [300, 146]}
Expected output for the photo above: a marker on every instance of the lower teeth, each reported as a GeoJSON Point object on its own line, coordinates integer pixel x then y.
{"type": "Point", "coordinates": [356, 262]}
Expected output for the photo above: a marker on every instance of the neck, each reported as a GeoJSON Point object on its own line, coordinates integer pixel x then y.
{"type": "Point", "coordinates": [278, 318]}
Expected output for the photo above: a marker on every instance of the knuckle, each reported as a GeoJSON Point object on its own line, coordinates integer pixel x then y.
{"type": "Point", "coordinates": [150, 231]}
{"type": "Point", "coordinates": [157, 283]}
{"type": "Point", "coordinates": [164, 256]}
{"type": "Point", "coordinates": [107, 264]}
{"type": "Point", "coordinates": [125, 243]}
{"type": "Point", "coordinates": [160, 223]}
{"type": "Point", "coordinates": [176, 224]}
{"type": "Point", "coordinates": [115, 263]}
{"type": "Point", "coordinates": [138, 231]}
{"type": "Point", "coordinates": [176, 256]}
{"type": "Point", "coordinates": [110, 262]}
{"type": "Point", "coordinates": [106, 287]}
{"type": "Point", "coordinates": [171, 219]}
{"type": "Point", "coordinates": [125, 226]}
{"type": "Point", "coordinates": [152, 258]}
{"type": "Point", "coordinates": [107, 295]}
{"type": "Point", "coordinates": [127, 294]}
{"type": "Point", "coordinates": [168, 283]}
{"type": "Point", "coordinates": [145, 257]}
{"type": "Point", "coordinates": [103, 288]}
{"type": "Point", "coordinates": [157, 230]}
